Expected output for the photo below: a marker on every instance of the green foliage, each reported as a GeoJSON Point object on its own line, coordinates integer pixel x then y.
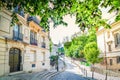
{"type": "Point", "coordinates": [86, 11]}
{"type": "Point", "coordinates": [75, 48]}
{"type": "Point", "coordinates": [14, 19]}
{"type": "Point", "coordinates": [61, 50]}
{"type": "Point", "coordinates": [85, 63]}
{"type": "Point", "coordinates": [115, 6]}
{"type": "Point", "coordinates": [50, 45]}
{"type": "Point", "coordinates": [67, 44]}
{"type": "Point", "coordinates": [91, 52]}
{"type": "Point", "coordinates": [53, 58]}
{"type": "Point", "coordinates": [92, 35]}
{"type": "Point", "coordinates": [117, 18]}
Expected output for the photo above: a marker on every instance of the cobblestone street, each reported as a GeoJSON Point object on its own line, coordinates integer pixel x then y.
{"type": "Point", "coordinates": [71, 73]}
{"type": "Point", "coordinates": [68, 76]}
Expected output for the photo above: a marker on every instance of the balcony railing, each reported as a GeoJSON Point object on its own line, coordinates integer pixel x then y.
{"type": "Point", "coordinates": [33, 41]}
{"type": "Point", "coordinates": [17, 36]}
{"type": "Point", "coordinates": [43, 45]}
{"type": "Point", "coordinates": [20, 12]}
{"type": "Point", "coordinates": [33, 18]}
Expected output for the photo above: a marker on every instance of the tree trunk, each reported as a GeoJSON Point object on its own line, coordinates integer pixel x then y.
{"type": "Point", "coordinates": [93, 72]}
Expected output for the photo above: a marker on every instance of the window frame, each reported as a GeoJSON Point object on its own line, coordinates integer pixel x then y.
{"type": "Point", "coordinates": [117, 40]}
{"type": "Point", "coordinates": [118, 60]}
{"type": "Point", "coordinates": [111, 62]}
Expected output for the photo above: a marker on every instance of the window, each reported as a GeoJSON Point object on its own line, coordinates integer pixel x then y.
{"type": "Point", "coordinates": [111, 61]}
{"type": "Point", "coordinates": [17, 28]}
{"type": "Point", "coordinates": [33, 38]}
{"type": "Point", "coordinates": [17, 33]}
{"type": "Point", "coordinates": [43, 42]}
{"type": "Point", "coordinates": [109, 47]}
{"type": "Point", "coordinates": [117, 39]}
{"type": "Point", "coordinates": [43, 39]}
{"type": "Point", "coordinates": [118, 59]}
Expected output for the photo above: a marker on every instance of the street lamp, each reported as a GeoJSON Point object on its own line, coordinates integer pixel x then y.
{"type": "Point", "coordinates": [57, 61]}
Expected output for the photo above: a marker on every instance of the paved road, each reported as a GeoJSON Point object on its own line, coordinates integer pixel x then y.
{"type": "Point", "coordinates": [71, 73]}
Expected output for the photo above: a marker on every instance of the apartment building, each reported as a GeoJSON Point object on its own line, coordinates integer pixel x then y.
{"type": "Point", "coordinates": [109, 44]}
{"type": "Point", "coordinates": [54, 50]}
{"type": "Point", "coordinates": [24, 46]}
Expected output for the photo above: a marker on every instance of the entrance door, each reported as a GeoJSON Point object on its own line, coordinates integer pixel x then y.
{"type": "Point", "coordinates": [14, 59]}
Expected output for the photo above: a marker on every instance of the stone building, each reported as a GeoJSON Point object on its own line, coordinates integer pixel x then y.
{"type": "Point", "coordinates": [109, 44]}
{"type": "Point", "coordinates": [24, 46]}
{"type": "Point", "coordinates": [54, 50]}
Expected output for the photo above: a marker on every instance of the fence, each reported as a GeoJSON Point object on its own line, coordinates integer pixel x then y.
{"type": "Point", "coordinates": [100, 74]}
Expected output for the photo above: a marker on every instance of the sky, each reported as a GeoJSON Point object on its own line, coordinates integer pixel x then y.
{"type": "Point", "coordinates": [60, 32]}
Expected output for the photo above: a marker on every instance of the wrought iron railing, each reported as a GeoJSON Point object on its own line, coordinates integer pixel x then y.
{"type": "Point", "coordinates": [43, 45]}
{"type": "Point", "coordinates": [17, 36]}
{"type": "Point", "coordinates": [33, 41]}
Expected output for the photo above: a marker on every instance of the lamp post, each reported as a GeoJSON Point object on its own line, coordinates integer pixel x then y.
{"type": "Point", "coordinates": [57, 61]}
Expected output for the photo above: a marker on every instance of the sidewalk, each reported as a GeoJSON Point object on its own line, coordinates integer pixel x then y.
{"type": "Point", "coordinates": [88, 73]}
{"type": "Point", "coordinates": [34, 75]}
{"type": "Point", "coordinates": [21, 76]}
{"type": "Point", "coordinates": [30, 76]}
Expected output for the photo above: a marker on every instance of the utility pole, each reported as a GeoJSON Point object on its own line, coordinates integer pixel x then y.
{"type": "Point", "coordinates": [105, 56]}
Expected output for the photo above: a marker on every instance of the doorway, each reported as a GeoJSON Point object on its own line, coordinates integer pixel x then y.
{"type": "Point", "coordinates": [14, 59]}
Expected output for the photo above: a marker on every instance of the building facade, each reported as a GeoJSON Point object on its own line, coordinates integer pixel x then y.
{"type": "Point", "coordinates": [54, 50]}
{"type": "Point", "coordinates": [109, 44]}
{"type": "Point", "coordinates": [24, 46]}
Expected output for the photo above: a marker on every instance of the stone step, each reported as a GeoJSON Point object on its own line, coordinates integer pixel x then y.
{"type": "Point", "coordinates": [38, 74]}
{"type": "Point", "coordinates": [48, 75]}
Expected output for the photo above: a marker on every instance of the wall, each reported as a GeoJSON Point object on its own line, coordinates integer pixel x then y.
{"type": "Point", "coordinates": [108, 35]}
{"type": "Point", "coordinates": [115, 65]}
{"type": "Point", "coordinates": [5, 28]}
{"type": "Point", "coordinates": [3, 57]}
{"type": "Point", "coordinates": [38, 59]}
{"type": "Point", "coordinates": [25, 46]}
{"type": "Point", "coordinates": [101, 42]}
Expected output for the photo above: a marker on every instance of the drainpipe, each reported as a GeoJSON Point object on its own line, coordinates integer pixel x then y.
{"type": "Point", "coordinates": [105, 56]}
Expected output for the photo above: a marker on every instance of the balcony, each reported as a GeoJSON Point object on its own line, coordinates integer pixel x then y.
{"type": "Point", "coordinates": [43, 45]}
{"type": "Point", "coordinates": [43, 30]}
{"type": "Point", "coordinates": [33, 18]}
{"type": "Point", "coordinates": [20, 12]}
{"type": "Point", "coordinates": [17, 36]}
{"type": "Point", "coordinates": [33, 41]}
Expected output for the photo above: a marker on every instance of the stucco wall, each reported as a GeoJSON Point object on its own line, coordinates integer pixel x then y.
{"type": "Point", "coordinates": [115, 65]}
{"type": "Point", "coordinates": [24, 46]}
{"type": "Point", "coordinates": [109, 36]}
{"type": "Point", "coordinates": [3, 58]}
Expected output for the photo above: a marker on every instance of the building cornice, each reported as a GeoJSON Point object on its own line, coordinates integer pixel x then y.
{"type": "Point", "coordinates": [8, 12]}
{"type": "Point", "coordinates": [115, 23]}
{"type": "Point", "coordinates": [112, 26]}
